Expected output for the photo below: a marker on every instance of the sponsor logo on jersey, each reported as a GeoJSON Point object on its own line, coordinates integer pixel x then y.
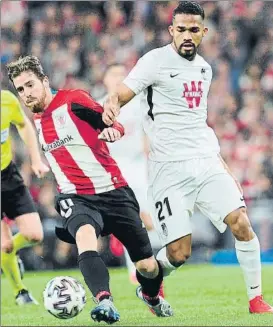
{"type": "Point", "coordinates": [57, 144]}
{"type": "Point", "coordinates": [193, 93]}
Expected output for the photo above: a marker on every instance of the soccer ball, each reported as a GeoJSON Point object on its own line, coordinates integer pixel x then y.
{"type": "Point", "coordinates": [64, 297]}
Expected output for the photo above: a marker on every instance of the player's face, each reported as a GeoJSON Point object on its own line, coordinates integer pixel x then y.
{"type": "Point", "coordinates": [187, 32]}
{"type": "Point", "coordinates": [31, 90]}
{"type": "Point", "coordinates": [114, 76]}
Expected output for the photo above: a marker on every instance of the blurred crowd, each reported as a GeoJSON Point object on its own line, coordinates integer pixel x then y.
{"type": "Point", "coordinates": [76, 41]}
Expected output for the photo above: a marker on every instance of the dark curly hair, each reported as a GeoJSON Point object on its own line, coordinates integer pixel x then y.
{"type": "Point", "coordinates": [24, 64]}
{"type": "Point", "coordinates": [190, 8]}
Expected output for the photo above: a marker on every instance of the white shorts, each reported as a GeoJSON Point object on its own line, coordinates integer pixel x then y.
{"type": "Point", "coordinates": [176, 187]}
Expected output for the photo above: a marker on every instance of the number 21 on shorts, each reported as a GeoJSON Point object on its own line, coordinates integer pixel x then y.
{"type": "Point", "coordinates": [163, 208]}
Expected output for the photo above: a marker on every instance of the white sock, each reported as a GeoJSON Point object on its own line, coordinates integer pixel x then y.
{"type": "Point", "coordinates": [248, 255]}
{"type": "Point", "coordinates": [168, 268]}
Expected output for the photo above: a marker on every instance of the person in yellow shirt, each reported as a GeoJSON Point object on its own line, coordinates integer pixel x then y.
{"type": "Point", "coordinates": [17, 203]}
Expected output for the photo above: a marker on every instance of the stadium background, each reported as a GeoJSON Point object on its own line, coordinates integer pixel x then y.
{"type": "Point", "coordinates": [77, 40]}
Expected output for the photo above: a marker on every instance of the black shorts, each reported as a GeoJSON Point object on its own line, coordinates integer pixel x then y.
{"type": "Point", "coordinates": [15, 197]}
{"type": "Point", "coordinates": [115, 212]}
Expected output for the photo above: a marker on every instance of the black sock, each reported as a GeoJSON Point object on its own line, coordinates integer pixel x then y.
{"type": "Point", "coordinates": [95, 274]}
{"type": "Point", "coordinates": [151, 287]}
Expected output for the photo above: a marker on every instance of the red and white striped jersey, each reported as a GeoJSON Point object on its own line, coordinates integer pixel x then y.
{"type": "Point", "coordinates": [68, 133]}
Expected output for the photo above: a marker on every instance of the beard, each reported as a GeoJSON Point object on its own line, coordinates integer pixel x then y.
{"type": "Point", "coordinates": [39, 105]}
{"type": "Point", "coordinates": [37, 108]}
{"type": "Point", "coordinates": [188, 54]}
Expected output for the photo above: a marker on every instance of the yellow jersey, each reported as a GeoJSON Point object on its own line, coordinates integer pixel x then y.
{"type": "Point", "coordinates": [11, 113]}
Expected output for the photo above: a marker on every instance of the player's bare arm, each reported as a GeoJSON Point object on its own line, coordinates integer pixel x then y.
{"type": "Point", "coordinates": [28, 135]}
{"type": "Point", "coordinates": [115, 101]}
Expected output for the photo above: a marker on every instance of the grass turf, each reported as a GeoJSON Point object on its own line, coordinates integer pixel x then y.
{"type": "Point", "coordinates": [201, 295]}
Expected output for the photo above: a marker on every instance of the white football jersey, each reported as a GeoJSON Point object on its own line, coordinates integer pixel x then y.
{"type": "Point", "coordinates": [175, 98]}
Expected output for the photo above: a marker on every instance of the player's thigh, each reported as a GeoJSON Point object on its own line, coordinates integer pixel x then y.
{"type": "Point", "coordinates": [124, 222]}
{"type": "Point", "coordinates": [171, 197]}
{"type": "Point", "coordinates": [16, 198]}
{"type": "Point", "coordinates": [76, 212]}
{"type": "Point", "coordinates": [172, 216]}
{"type": "Point", "coordinates": [218, 196]}
{"type": "Point", "coordinates": [6, 238]}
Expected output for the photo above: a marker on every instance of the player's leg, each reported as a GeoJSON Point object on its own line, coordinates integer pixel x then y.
{"type": "Point", "coordinates": [129, 229]}
{"type": "Point", "coordinates": [84, 224]}
{"type": "Point", "coordinates": [172, 195]}
{"type": "Point", "coordinates": [248, 254]}
{"type": "Point", "coordinates": [155, 242]}
{"type": "Point", "coordinates": [9, 262]}
{"type": "Point", "coordinates": [19, 206]}
{"type": "Point", "coordinates": [174, 254]}
{"type": "Point", "coordinates": [220, 199]}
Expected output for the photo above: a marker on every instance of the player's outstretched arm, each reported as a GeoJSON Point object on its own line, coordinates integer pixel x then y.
{"type": "Point", "coordinates": [114, 102]}
{"type": "Point", "coordinates": [28, 135]}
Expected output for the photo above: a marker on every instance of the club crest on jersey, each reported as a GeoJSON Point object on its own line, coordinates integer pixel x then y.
{"type": "Point", "coordinates": [205, 73]}
{"type": "Point", "coordinates": [193, 93]}
{"type": "Point", "coordinates": [60, 120]}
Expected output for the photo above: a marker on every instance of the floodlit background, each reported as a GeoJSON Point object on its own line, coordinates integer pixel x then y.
{"type": "Point", "coordinates": [77, 40]}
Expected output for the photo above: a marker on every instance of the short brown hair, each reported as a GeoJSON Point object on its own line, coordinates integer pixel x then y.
{"type": "Point", "coordinates": [23, 64]}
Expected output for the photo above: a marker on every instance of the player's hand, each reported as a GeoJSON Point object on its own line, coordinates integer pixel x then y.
{"type": "Point", "coordinates": [39, 169]}
{"type": "Point", "coordinates": [111, 109]}
{"type": "Point", "coordinates": [110, 134]}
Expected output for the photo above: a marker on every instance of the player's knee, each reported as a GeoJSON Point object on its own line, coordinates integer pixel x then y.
{"type": "Point", "coordinates": [178, 257]}
{"type": "Point", "coordinates": [30, 227]}
{"type": "Point", "coordinates": [7, 246]}
{"type": "Point", "coordinates": [34, 236]}
{"type": "Point", "coordinates": [147, 267]}
{"type": "Point", "coordinates": [240, 225]}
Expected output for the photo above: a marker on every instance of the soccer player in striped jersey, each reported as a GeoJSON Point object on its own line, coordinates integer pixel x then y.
{"type": "Point", "coordinates": [94, 197]}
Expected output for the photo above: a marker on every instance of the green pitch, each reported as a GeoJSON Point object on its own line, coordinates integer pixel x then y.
{"type": "Point", "coordinates": [200, 295]}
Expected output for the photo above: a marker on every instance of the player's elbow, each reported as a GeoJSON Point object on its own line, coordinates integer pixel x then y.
{"type": "Point", "coordinates": [34, 237]}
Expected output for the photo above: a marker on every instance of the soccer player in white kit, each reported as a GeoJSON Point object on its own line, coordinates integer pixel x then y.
{"type": "Point", "coordinates": [185, 166]}
{"type": "Point", "coordinates": [130, 154]}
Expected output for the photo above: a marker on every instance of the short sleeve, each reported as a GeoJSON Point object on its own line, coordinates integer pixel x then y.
{"type": "Point", "coordinates": [144, 73]}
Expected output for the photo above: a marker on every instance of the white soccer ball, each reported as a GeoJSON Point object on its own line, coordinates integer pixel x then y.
{"type": "Point", "coordinates": [64, 297]}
